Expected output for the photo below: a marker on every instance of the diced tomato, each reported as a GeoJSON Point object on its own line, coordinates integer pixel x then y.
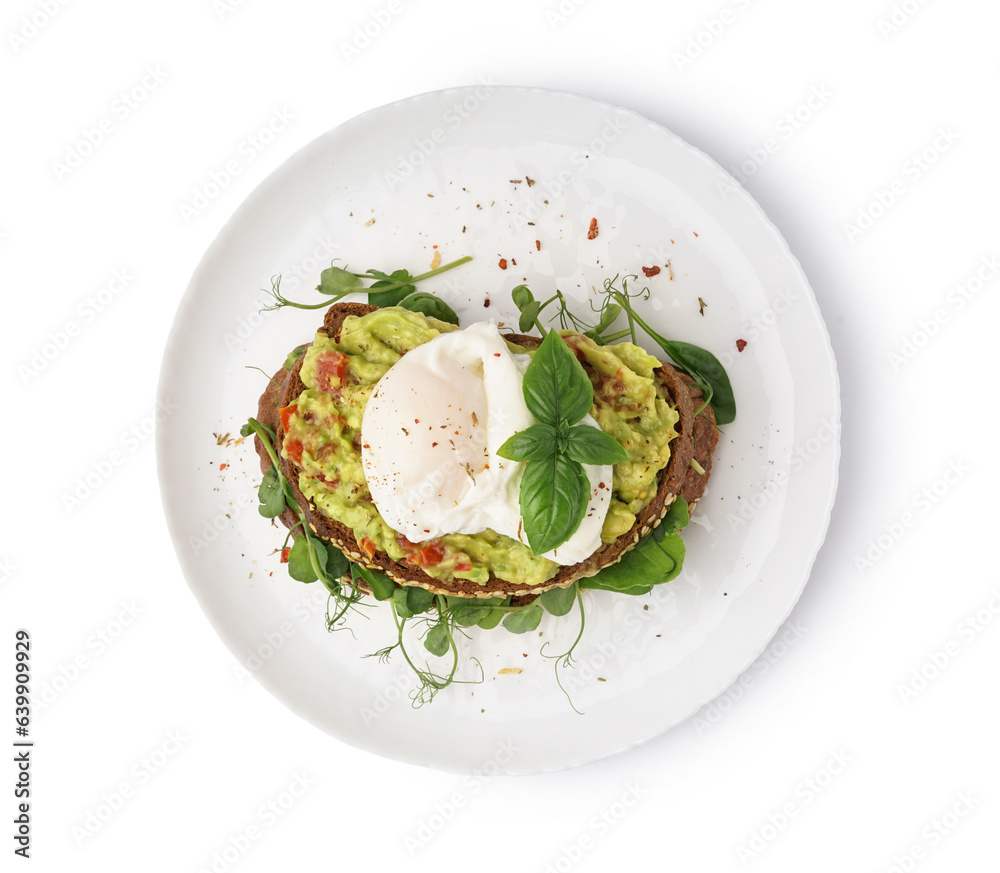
{"type": "Point", "coordinates": [293, 448]}
{"type": "Point", "coordinates": [368, 546]}
{"type": "Point", "coordinates": [429, 554]}
{"type": "Point", "coordinates": [330, 371]}
{"type": "Point", "coordinates": [423, 555]}
{"type": "Point", "coordinates": [284, 554]}
{"type": "Point", "coordinates": [286, 412]}
{"type": "Point", "coordinates": [463, 567]}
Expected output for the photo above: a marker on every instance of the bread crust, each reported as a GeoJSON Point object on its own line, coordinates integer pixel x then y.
{"type": "Point", "coordinates": [696, 440]}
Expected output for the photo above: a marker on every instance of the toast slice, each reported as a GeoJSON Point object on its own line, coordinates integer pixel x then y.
{"type": "Point", "coordinates": [696, 441]}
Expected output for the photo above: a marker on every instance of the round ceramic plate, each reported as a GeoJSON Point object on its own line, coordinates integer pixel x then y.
{"type": "Point", "coordinates": [519, 179]}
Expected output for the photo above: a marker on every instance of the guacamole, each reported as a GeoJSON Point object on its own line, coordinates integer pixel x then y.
{"type": "Point", "coordinates": [323, 432]}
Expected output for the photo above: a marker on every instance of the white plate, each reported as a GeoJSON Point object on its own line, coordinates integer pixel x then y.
{"type": "Point", "coordinates": [450, 169]}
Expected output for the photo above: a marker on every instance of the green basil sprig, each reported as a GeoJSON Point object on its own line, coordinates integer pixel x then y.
{"type": "Point", "coordinates": [554, 488]}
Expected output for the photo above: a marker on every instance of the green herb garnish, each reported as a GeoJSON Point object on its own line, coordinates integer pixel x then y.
{"type": "Point", "coordinates": [700, 364]}
{"type": "Point", "coordinates": [554, 487]}
{"type": "Point", "coordinates": [387, 289]}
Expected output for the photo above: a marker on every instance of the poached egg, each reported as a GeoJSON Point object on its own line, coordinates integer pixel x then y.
{"type": "Point", "coordinates": [429, 439]}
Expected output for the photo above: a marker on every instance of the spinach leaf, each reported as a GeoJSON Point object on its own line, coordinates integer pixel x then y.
{"type": "Point", "coordinates": [429, 304]}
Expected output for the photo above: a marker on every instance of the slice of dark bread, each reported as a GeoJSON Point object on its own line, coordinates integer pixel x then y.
{"type": "Point", "coordinates": [696, 440]}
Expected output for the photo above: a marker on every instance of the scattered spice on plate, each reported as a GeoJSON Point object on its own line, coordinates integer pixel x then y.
{"type": "Point", "coordinates": [741, 344]}
{"type": "Point", "coordinates": [701, 306]}
{"type": "Point", "coordinates": [649, 272]}
{"type": "Point", "coordinates": [503, 263]}
{"type": "Point", "coordinates": [592, 232]}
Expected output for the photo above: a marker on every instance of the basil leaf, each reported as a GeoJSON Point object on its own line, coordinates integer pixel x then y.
{"type": "Point", "coordinates": [438, 639]}
{"type": "Point", "coordinates": [553, 500]}
{"type": "Point", "coordinates": [559, 601]}
{"type": "Point", "coordinates": [524, 620]}
{"type": "Point", "coordinates": [300, 565]}
{"type": "Point", "coordinates": [334, 280]}
{"type": "Point", "coordinates": [428, 304]}
{"type": "Point", "coordinates": [271, 495]}
{"type": "Point", "coordinates": [556, 387]}
{"type": "Point", "coordinates": [591, 445]}
{"type": "Point", "coordinates": [537, 441]}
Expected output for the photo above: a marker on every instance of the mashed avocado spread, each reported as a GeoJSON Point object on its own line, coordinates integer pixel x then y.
{"type": "Point", "coordinates": [323, 433]}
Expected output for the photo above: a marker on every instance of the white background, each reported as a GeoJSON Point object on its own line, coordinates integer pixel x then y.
{"type": "Point", "coordinates": [869, 744]}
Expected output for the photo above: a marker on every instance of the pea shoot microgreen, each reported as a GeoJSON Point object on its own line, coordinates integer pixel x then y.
{"type": "Point", "coordinates": [617, 297]}
{"type": "Point", "coordinates": [386, 289]}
